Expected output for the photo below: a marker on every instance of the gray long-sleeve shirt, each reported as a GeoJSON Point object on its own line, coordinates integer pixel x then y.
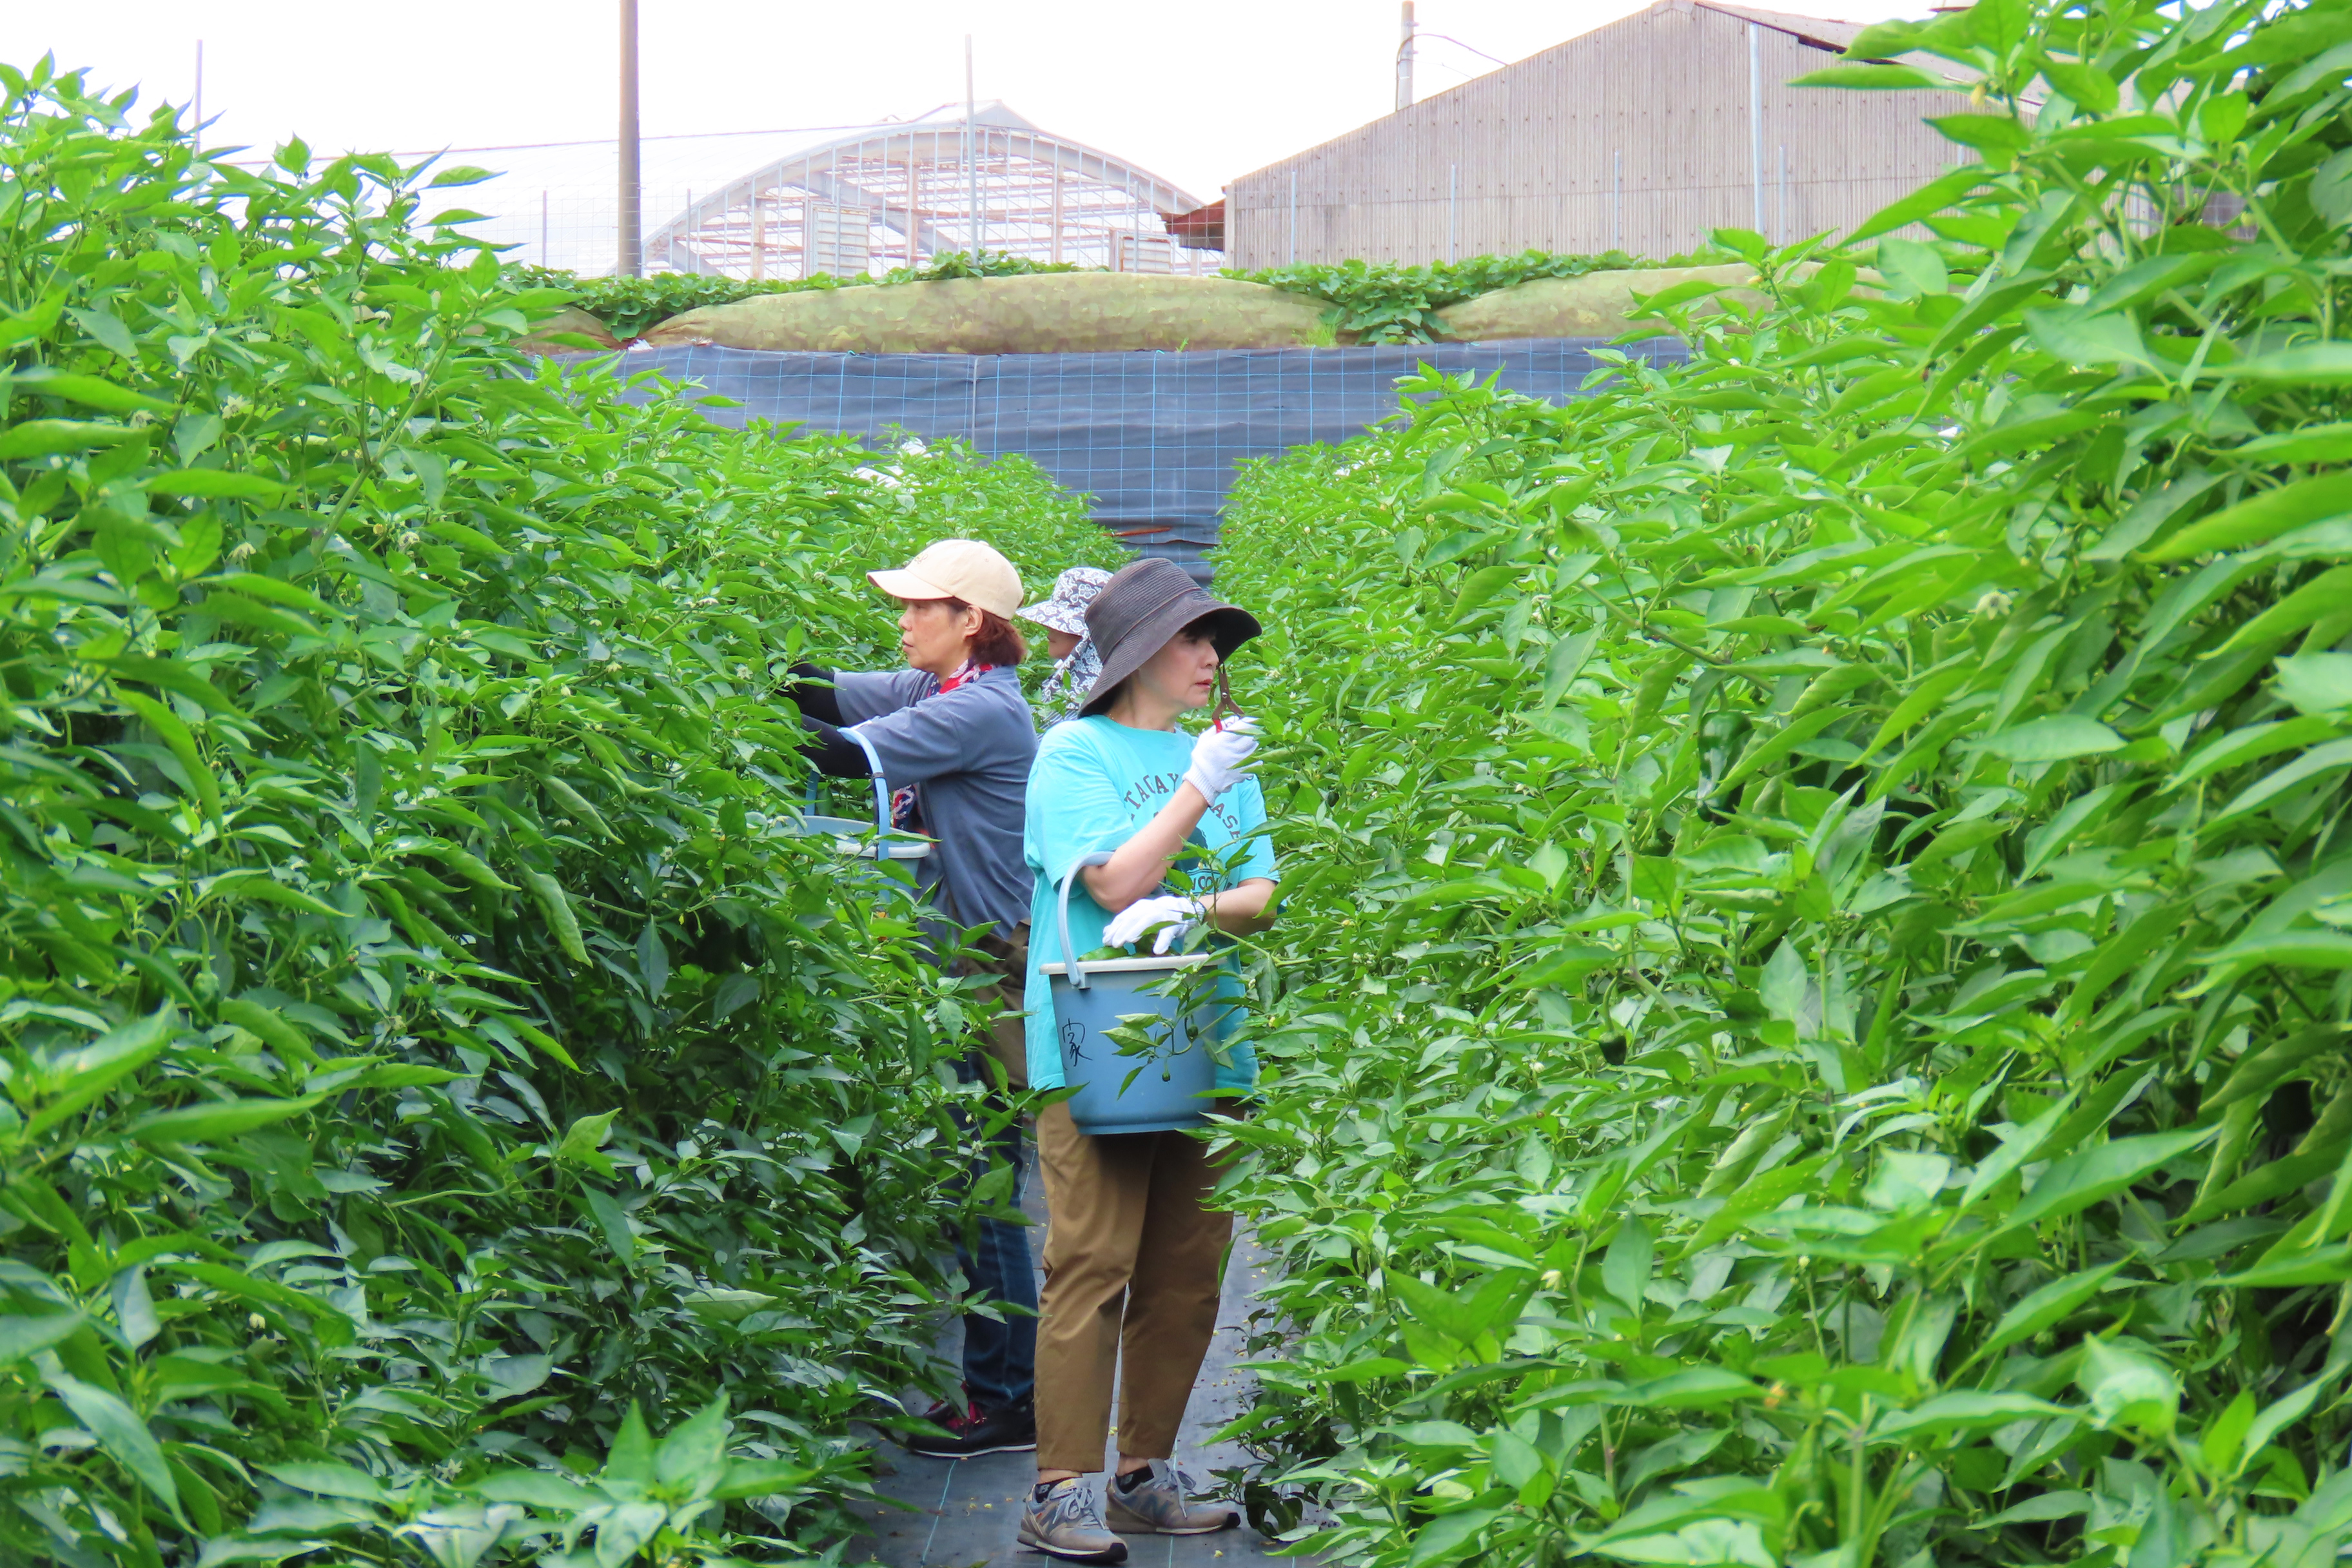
{"type": "Point", "coordinates": [967, 753]}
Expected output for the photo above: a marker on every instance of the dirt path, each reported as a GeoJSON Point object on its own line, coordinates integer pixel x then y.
{"type": "Point", "coordinates": [964, 1511]}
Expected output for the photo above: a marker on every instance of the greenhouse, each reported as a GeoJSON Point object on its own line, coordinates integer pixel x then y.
{"type": "Point", "coordinates": [841, 200]}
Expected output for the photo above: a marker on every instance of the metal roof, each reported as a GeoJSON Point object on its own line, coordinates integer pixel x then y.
{"type": "Point", "coordinates": [1821, 32]}
{"type": "Point", "coordinates": [1837, 36]}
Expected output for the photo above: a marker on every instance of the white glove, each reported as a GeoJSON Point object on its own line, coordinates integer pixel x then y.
{"type": "Point", "coordinates": [1221, 757]}
{"type": "Point", "coordinates": [1173, 915]}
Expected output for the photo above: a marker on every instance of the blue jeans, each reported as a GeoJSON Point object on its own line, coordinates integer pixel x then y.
{"type": "Point", "coordinates": [1000, 1359]}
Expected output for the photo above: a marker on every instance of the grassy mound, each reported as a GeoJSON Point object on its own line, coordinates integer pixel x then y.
{"type": "Point", "coordinates": [1084, 313]}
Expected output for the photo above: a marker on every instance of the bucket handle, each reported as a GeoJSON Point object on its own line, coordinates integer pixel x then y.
{"type": "Point", "coordinates": [881, 794]}
{"type": "Point", "coordinates": [1077, 971]}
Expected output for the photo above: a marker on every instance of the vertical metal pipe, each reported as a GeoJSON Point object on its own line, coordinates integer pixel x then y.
{"type": "Point", "coordinates": [1404, 61]}
{"type": "Point", "coordinates": [1057, 207]}
{"type": "Point", "coordinates": [631, 261]}
{"type": "Point", "coordinates": [1756, 117]}
{"type": "Point", "coordinates": [972, 142]}
{"type": "Point", "coordinates": [200, 95]}
{"type": "Point", "coordinates": [1294, 217]}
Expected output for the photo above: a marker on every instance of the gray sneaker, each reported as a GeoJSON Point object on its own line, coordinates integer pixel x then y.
{"type": "Point", "coordinates": [1156, 1506]}
{"type": "Point", "coordinates": [1068, 1525]}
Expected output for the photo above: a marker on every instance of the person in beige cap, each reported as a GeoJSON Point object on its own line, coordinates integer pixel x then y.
{"type": "Point", "coordinates": [953, 735]}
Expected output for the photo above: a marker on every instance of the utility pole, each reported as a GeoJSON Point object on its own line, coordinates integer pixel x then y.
{"type": "Point", "coordinates": [1404, 61]}
{"type": "Point", "coordinates": [631, 261]}
{"type": "Point", "coordinates": [972, 142]}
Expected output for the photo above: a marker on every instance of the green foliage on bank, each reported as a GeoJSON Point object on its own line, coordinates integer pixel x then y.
{"type": "Point", "coordinates": [1390, 302]}
{"type": "Point", "coordinates": [433, 1064]}
{"type": "Point", "coordinates": [1809, 1024]}
{"type": "Point", "coordinates": [629, 305]}
{"type": "Point", "coordinates": [1373, 302]}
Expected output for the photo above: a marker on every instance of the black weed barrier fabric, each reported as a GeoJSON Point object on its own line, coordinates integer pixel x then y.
{"type": "Point", "coordinates": [1152, 438]}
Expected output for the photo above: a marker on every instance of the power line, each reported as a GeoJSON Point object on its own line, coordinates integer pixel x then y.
{"type": "Point", "coordinates": [674, 136]}
{"type": "Point", "coordinates": [607, 140]}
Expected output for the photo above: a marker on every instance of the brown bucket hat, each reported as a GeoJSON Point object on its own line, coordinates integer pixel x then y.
{"type": "Point", "coordinates": [1140, 608]}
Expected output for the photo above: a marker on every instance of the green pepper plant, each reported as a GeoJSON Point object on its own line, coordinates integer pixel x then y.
{"type": "Point", "coordinates": [1810, 1019]}
{"type": "Point", "coordinates": [426, 1041]}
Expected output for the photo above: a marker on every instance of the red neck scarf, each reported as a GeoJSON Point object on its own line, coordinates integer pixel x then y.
{"type": "Point", "coordinates": [902, 802]}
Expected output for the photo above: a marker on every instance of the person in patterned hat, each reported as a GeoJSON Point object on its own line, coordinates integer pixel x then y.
{"type": "Point", "coordinates": [1076, 662]}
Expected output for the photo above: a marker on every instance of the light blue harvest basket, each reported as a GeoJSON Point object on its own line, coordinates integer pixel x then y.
{"type": "Point", "coordinates": [855, 837]}
{"type": "Point", "coordinates": [1167, 1089]}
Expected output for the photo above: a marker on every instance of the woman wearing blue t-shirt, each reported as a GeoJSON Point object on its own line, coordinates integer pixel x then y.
{"type": "Point", "coordinates": [1131, 1250]}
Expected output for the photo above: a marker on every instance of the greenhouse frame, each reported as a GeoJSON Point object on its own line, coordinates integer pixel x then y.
{"type": "Point", "coordinates": [898, 194]}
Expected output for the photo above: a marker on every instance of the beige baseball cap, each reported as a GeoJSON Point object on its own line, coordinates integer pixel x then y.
{"type": "Point", "coordinates": [956, 569]}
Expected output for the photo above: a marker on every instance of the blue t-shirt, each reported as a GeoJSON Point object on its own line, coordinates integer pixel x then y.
{"type": "Point", "coordinates": [1094, 785]}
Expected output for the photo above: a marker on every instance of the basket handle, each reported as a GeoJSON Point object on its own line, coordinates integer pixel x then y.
{"type": "Point", "coordinates": [881, 793]}
{"type": "Point", "coordinates": [1077, 971]}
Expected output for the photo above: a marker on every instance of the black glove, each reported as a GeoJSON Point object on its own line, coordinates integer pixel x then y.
{"type": "Point", "coordinates": [833, 754]}
{"type": "Point", "coordinates": [811, 690]}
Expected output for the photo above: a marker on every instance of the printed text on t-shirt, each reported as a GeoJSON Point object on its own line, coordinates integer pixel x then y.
{"type": "Point", "coordinates": [1161, 785]}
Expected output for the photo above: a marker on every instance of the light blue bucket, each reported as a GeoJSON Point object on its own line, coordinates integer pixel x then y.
{"type": "Point", "coordinates": [854, 838]}
{"type": "Point", "coordinates": [1167, 1089]}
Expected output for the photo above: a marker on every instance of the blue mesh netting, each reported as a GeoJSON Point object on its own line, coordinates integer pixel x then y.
{"type": "Point", "coordinates": [1152, 437]}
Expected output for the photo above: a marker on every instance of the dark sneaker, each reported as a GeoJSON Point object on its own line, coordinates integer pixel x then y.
{"type": "Point", "coordinates": [954, 1416]}
{"type": "Point", "coordinates": [1156, 1505]}
{"type": "Point", "coordinates": [1066, 1524]}
{"type": "Point", "coordinates": [1011, 1430]}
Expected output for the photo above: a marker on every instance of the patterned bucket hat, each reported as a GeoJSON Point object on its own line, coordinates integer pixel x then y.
{"type": "Point", "coordinates": [1066, 610]}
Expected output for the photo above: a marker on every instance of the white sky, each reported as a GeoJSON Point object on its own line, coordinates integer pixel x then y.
{"type": "Point", "coordinates": [1197, 94]}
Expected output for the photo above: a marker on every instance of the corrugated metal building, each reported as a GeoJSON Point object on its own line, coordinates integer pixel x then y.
{"type": "Point", "coordinates": [1640, 136]}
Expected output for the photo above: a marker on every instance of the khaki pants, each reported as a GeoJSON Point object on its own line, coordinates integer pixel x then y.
{"type": "Point", "coordinates": [1132, 1262]}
